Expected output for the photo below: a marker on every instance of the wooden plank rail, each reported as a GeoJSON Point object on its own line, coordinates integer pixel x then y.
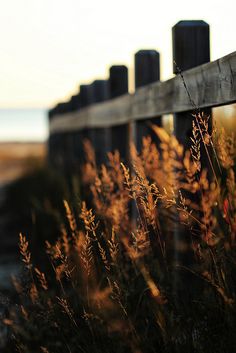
{"type": "Point", "coordinates": [114, 112]}
{"type": "Point", "coordinates": [209, 85]}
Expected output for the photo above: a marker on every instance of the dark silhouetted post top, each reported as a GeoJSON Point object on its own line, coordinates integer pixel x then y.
{"type": "Point", "coordinates": [100, 91]}
{"type": "Point", "coordinates": [190, 44]}
{"type": "Point", "coordinates": [85, 95]}
{"type": "Point", "coordinates": [118, 80]}
{"type": "Point", "coordinates": [75, 103]}
{"type": "Point", "coordinates": [147, 67]}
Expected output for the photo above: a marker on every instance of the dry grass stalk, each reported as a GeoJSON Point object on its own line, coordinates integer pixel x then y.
{"type": "Point", "coordinates": [44, 349]}
{"type": "Point", "coordinates": [24, 250]}
{"type": "Point", "coordinates": [104, 257]}
{"type": "Point", "coordinates": [88, 219]}
{"type": "Point", "coordinates": [65, 240]}
{"type": "Point", "coordinates": [24, 312]}
{"type": "Point", "coordinates": [86, 254]}
{"type": "Point", "coordinates": [71, 219]}
{"type": "Point", "coordinates": [225, 147]}
{"type": "Point", "coordinates": [67, 309]}
{"type": "Point", "coordinates": [41, 279]}
{"type": "Point", "coordinates": [89, 169]}
{"type": "Point", "coordinates": [113, 247]}
{"type": "Point", "coordinates": [195, 147]}
{"type": "Point", "coordinates": [17, 284]}
{"type": "Point", "coordinates": [33, 293]}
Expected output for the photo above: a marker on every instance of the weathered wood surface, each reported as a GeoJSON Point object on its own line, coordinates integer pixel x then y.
{"type": "Point", "coordinates": [147, 71]}
{"type": "Point", "coordinates": [114, 112]}
{"type": "Point", "coordinates": [209, 85]}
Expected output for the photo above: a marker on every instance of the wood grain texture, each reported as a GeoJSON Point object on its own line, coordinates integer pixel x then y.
{"type": "Point", "coordinates": [114, 112]}
{"type": "Point", "coordinates": [209, 85]}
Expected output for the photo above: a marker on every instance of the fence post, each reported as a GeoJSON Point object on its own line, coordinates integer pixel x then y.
{"type": "Point", "coordinates": [191, 47]}
{"type": "Point", "coordinates": [58, 141]}
{"type": "Point", "coordinates": [100, 91]}
{"type": "Point", "coordinates": [85, 99]}
{"type": "Point", "coordinates": [118, 85]}
{"type": "Point", "coordinates": [67, 141]}
{"type": "Point", "coordinates": [118, 80]}
{"type": "Point", "coordinates": [74, 102]}
{"type": "Point", "coordinates": [147, 70]}
{"type": "Point", "coordinates": [100, 137]}
{"type": "Point", "coordinates": [51, 140]}
{"type": "Point", "coordinates": [70, 159]}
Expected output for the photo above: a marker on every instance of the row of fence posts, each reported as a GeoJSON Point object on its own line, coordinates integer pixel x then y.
{"type": "Point", "coordinates": [66, 149]}
{"type": "Point", "coordinates": [191, 48]}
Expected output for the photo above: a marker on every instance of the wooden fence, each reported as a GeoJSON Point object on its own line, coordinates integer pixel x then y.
{"type": "Point", "coordinates": [105, 113]}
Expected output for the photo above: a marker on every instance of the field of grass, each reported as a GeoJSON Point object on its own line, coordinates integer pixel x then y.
{"type": "Point", "coordinates": [144, 264]}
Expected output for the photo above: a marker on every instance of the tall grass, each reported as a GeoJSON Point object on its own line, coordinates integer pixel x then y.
{"type": "Point", "coordinates": [150, 265]}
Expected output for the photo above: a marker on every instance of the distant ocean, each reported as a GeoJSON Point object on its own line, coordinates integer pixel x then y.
{"type": "Point", "coordinates": [28, 125]}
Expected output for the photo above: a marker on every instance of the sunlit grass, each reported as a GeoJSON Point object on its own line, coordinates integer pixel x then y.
{"type": "Point", "coordinates": [147, 264]}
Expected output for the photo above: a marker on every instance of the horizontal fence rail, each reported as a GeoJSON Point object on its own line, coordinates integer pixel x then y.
{"type": "Point", "coordinates": [209, 85]}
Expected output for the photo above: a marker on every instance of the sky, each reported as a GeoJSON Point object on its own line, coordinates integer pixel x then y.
{"type": "Point", "coordinates": [49, 47]}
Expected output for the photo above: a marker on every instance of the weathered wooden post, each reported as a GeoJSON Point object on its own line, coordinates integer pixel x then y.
{"type": "Point", "coordinates": [60, 144]}
{"type": "Point", "coordinates": [147, 70]}
{"type": "Point", "coordinates": [75, 103]}
{"type": "Point", "coordinates": [66, 143]}
{"type": "Point", "coordinates": [85, 99]}
{"type": "Point", "coordinates": [85, 95]}
{"type": "Point", "coordinates": [54, 140]}
{"type": "Point", "coordinates": [59, 140]}
{"type": "Point", "coordinates": [51, 140]}
{"type": "Point", "coordinates": [191, 47]}
{"type": "Point", "coordinates": [118, 80]}
{"type": "Point", "coordinates": [118, 83]}
{"type": "Point", "coordinates": [100, 91]}
{"type": "Point", "coordinates": [147, 67]}
{"type": "Point", "coordinates": [69, 140]}
{"type": "Point", "coordinates": [100, 137]}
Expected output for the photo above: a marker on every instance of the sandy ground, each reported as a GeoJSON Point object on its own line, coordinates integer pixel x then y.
{"type": "Point", "coordinates": [16, 158]}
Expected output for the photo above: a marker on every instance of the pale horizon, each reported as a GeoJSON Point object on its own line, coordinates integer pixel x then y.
{"type": "Point", "coordinates": [49, 47]}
